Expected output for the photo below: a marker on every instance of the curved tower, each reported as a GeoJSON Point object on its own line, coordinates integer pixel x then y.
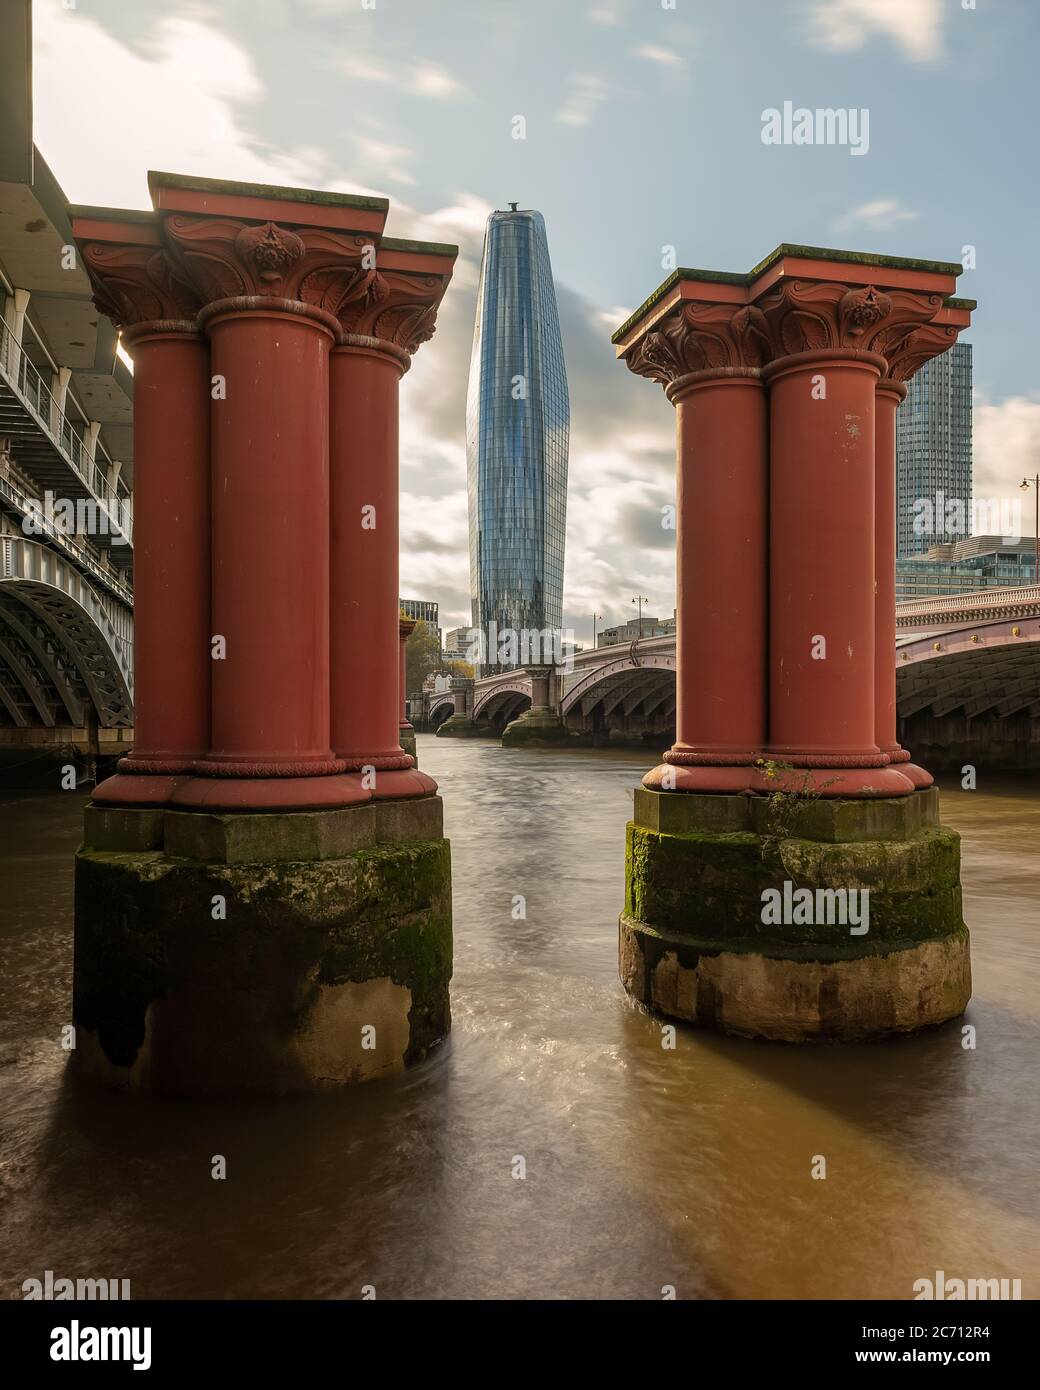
{"type": "Point", "coordinates": [517, 432]}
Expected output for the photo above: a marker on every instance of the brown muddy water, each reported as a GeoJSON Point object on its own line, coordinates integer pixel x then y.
{"type": "Point", "coordinates": [644, 1167]}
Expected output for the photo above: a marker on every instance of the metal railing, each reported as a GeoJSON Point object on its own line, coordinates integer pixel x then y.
{"type": "Point", "coordinates": [1013, 595]}
{"type": "Point", "coordinates": [27, 382]}
{"type": "Point", "coordinates": [72, 552]}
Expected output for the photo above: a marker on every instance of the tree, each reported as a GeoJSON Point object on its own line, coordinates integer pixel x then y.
{"type": "Point", "coordinates": [422, 656]}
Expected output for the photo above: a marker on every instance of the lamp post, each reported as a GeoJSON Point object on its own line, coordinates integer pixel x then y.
{"type": "Point", "coordinates": [1034, 483]}
{"type": "Point", "coordinates": [639, 600]}
{"type": "Point", "coordinates": [596, 617]}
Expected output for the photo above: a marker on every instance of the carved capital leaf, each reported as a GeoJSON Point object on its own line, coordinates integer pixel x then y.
{"type": "Point", "coordinates": [136, 284]}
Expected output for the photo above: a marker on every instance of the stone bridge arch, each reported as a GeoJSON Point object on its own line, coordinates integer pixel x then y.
{"type": "Point", "coordinates": [972, 694]}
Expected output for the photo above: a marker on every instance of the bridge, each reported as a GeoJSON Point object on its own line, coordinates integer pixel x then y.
{"type": "Point", "coordinates": [967, 684]}
{"type": "Point", "coordinates": [66, 519]}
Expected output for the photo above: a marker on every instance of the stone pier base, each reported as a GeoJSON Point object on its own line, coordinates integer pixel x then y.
{"type": "Point", "coordinates": [229, 954]}
{"type": "Point", "coordinates": [694, 945]}
{"type": "Point", "coordinates": [535, 728]}
{"type": "Point", "coordinates": [460, 726]}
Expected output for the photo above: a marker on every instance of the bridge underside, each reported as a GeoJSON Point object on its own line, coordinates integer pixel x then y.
{"type": "Point", "coordinates": [977, 706]}
{"type": "Point", "coordinates": [630, 706]}
{"type": "Point", "coordinates": [65, 680]}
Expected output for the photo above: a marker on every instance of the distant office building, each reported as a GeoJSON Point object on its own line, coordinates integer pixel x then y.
{"type": "Point", "coordinates": [933, 455]}
{"type": "Point", "coordinates": [457, 643]}
{"type": "Point", "coordinates": [634, 629]}
{"type": "Point", "coordinates": [976, 562]}
{"type": "Point", "coordinates": [419, 610]}
{"type": "Point", "coordinates": [517, 436]}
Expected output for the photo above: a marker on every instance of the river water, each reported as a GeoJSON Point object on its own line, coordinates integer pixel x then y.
{"type": "Point", "coordinates": [645, 1167]}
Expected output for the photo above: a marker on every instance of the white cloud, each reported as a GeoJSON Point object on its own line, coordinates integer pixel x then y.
{"type": "Point", "coordinates": [1005, 449]}
{"type": "Point", "coordinates": [915, 26]}
{"type": "Point", "coordinates": [586, 94]}
{"type": "Point", "coordinates": [431, 80]}
{"type": "Point", "coordinates": [877, 216]}
{"type": "Point", "coordinates": [427, 79]}
{"type": "Point", "coordinates": [654, 53]}
{"type": "Point", "coordinates": [172, 105]}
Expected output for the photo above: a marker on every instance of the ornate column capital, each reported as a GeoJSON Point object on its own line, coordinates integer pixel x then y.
{"type": "Point", "coordinates": [799, 300]}
{"type": "Point", "coordinates": [135, 281]}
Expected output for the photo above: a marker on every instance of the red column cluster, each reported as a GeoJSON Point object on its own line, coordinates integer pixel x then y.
{"type": "Point", "coordinates": [269, 329]}
{"type": "Point", "coordinates": [786, 382]}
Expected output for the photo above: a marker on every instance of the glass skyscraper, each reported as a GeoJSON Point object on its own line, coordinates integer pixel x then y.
{"type": "Point", "coordinates": [517, 435]}
{"type": "Point", "coordinates": [933, 454]}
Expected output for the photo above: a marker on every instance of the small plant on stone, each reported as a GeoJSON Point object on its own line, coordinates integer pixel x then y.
{"type": "Point", "coordinates": [785, 802]}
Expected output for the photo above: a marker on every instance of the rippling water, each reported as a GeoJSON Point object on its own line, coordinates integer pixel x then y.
{"type": "Point", "coordinates": [645, 1167]}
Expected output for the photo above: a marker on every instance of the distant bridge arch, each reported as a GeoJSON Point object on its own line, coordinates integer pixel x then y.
{"type": "Point", "coordinates": [66, 653]}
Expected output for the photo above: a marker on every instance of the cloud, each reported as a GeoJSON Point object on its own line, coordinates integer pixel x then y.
{"type": "Point", "coordinates": [173, 103]}
{"type": "Point", "coordinates": [914, 26]}
{"type": "Point", "coordinates": [427, 79]}
{"type": "Point", "coordinates": [654, 53]}
{"type": "Point", "coordinates": [585, 96]}
{"type": "Point", "coordinates": [1006, 449]}
{"type": "Point", "coordinates": [877, 216]}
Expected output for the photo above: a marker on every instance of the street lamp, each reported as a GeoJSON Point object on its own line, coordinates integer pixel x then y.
{"type": "Point", "coordinates": [595, 617]}
{"type": "Point", "coordinates": [639, 600]}
{"type": "Point", "coordinates": [1025, 485]}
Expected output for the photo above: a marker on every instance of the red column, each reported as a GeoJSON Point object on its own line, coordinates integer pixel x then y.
{"type": "Point", "coordinates": [721, 564]}
{"type": "Point", "coordinates": [888, 397]}
{"type": "Point", "coordinates": [270, 744]}
{"type": "Point", "coordinates": [364, 587]}
{"type": "Point", "coordinates": [822, 601]}
{"type": "Point", "coordinates": [171, 560]}
{"type": "Point", "coordinates": [405, 629]}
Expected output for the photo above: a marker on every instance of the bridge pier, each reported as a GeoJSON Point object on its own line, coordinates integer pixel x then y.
{"type": "Point", "coordinates": [541, 724]}
{"type": "Point", "coordinates": [787, 873]}
{"type": "Point", "coordinates": [269, 910]}
{"type": "Point", "coordinates": [461, 723]}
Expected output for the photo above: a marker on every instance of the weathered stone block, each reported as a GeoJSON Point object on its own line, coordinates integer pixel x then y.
{"type": "Point", "coordinates": [216, 977]}
{"type": "Point", "coordinates": [270, 837]}
{"type": "Point", "coordinates": [121, 828]}
{"type": "Point", "coordinates": [703, 892]}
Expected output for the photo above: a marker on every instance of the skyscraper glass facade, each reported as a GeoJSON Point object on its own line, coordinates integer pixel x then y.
{"type": "Point", "coordinates": [933, 454]}
{"type": "Point", "coordinates": [517, 436]}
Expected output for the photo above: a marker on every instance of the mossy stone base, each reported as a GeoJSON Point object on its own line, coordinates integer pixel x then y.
{"type": "Point", "coordinates": [694, 944]}
{"type": "Point", "coordinates": [238, 973]}
{"type": "Point", "coordinates": [535, 728]}
{"type": "Point", "coordinates": [407, 738]}
{"type": "Point", "coordinates": [459, 726]}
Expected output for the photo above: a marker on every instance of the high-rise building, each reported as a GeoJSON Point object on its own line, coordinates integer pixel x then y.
{"type": "Point", "coordinates": [517, 435]}
{"type": "Point", "coordinates": [933, 455]}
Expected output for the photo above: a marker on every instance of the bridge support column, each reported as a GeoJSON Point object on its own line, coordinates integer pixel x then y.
{"type": "Point", "coordinates": [171, 500]}
{"type": "Point", "coordinates": [540, 726]}
{"type": "Point", "coordinates": [406, 733]}
{"type": "Point", "coordinates": [721, 562]}
{"type": "Point", "coordinates": [820, 897]}
{"type": "Point", "coordinates": [270, 926]}
{"type": "Point", "coordinates": [460, 724]}
{"type": "Point", "coordinates": [888, 398]}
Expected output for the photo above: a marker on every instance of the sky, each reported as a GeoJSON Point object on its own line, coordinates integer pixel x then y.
{"type": "Point", "coordinates": [644, 124]}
